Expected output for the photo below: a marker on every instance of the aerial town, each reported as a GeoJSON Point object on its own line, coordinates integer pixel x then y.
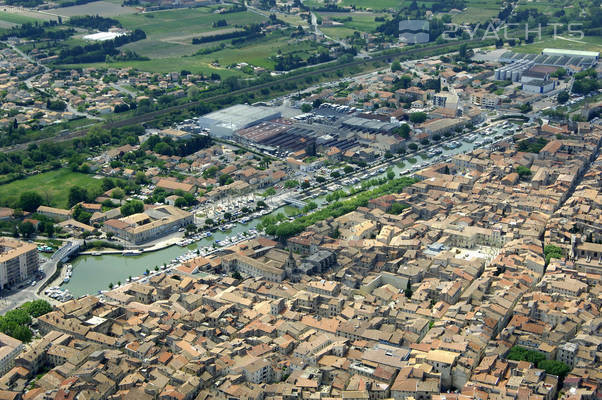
{"type": "Point", "coordinates": [300, 200]}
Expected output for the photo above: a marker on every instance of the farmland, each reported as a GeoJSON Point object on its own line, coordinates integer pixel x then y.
{"type": "Point", "coordinates": [102, 8]}
{"type": "Point", "coordinates": [374, 4]}
{"type": "Point", "coordinates": [53, 185]}
{"type": "Point", "coordinates": [11, 16]}
{"type": "Point", "coordinates": [256, 53]}
{"type": "Point", "coordinates": [360, 21]}
{"type": "Point", "coordinates": [169, 33]}
{"type": "Point", "coordinates": [478, 11]}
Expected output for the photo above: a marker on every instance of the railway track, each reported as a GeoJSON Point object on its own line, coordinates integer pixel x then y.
{"type": "Point", "coordinates": [150, 116]}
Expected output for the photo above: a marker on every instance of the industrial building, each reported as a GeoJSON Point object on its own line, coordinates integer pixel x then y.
{"type": "Point", "coordinates": [223, 123]}
{"type": "Point", "coordinates": [369, 125]}
{"type": "Point", "coordinates": [18, 261]}
{"type": "Point", "coordinates": [571, 60]}
{"type": "Point", "coordinates": [590, 55]}
{"type": "Point", "coordinates": [513, 72]}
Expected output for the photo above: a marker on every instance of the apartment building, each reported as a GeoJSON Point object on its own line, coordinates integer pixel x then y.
{"type": "Point", "coordinates": [18, 261]}
{"type": "Point", "coordinates": [10, 348]}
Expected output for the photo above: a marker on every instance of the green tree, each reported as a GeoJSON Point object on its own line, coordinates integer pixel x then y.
{"type": "Point", "coordinates": [397, 208]}
{"type": "Point", "coordinates": [403, 130]}
{"type": "Point", "coordinates": [395, 66]}
{"type": "Point", "coordinates": [291, 184]}
{"type": "Point", "coordinates": [563, 97]}
{"type": "Point", "coordinates": [132, 207]}
{"type": "Point", "coordinates": [305, 107]}
{"type": "Point", "coordinates": [79, 214]}
{"type": "Point", "coordinates": [30, 201]}
{"type": "Point", "coordinates": [27, 229]}
{"type": "Point", "coordinates": [236, 275]}
{"type": "Point", "coordinates": [269, 192]}
{"type": "Point", "coordinates": [22, 333]}
{"type": "Point", "coordinates": [550, 251]}
{"type": "Point", "coordinates": [408, 292]}
{"type": "Point", "coordinates": [553, 367]}
{"type": "Point", "coordinates": [77, 194]}
{"type": "Point", "coordinates": [180, 202]}
{"type": "Point", "coordinates": [225, 179]}
{"type": "Point", "coordinates": [140, 178]}
{"type": "Point", "coordinates": [418, 117]}
{"type": "Point", "coordinates": [37, 308]}
{"type": "Point", "coordinates": [523, 172]}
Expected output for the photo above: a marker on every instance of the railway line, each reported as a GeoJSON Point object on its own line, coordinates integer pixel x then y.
{"type": "Point", "coordinates": [151, 115]}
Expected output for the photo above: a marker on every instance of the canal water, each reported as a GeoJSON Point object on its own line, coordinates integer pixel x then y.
{"type": "Point", "coordinates": [94, 273]}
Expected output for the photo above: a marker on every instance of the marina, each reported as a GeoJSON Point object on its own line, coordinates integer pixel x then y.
{"type": "Point", "coordinates": [86, 279]}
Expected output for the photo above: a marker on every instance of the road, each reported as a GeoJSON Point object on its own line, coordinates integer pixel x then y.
{"type": "Point", "coordinates": [123, 90]}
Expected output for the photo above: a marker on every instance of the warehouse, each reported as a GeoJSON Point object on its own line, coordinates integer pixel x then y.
{"type": "Point", "coordinates": [223, 123]}
{"type": "Point", "coordinates": [592, 55]}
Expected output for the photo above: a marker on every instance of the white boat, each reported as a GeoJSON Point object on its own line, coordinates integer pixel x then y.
{"type": "Point", "coordinates": [131, 252]}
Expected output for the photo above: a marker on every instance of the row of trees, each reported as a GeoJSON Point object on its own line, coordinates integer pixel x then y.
{"type": "Point", "coordinates": [93, 22]}
{"type": "Point", "coordinates": [167, 146]}
{"type": "Point", "coordinates": [250, 30]}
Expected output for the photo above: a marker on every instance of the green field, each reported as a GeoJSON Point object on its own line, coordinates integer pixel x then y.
{"type": "Point", "coordinates": [338, 32]}
{"type": "Point", "coordinates": [478, 11]}
{"type": "Point", "coordinates": [374, 4]}
{"type": "Point", "coordinates": [588, 43]}
{"type": "Point", "coordinates": [164, 65]}
{"type": "Point", "coordinates": [475, 14]}
{"type": "Point", "coordinates": [15, 18]}
{"type": "Point", "coordinates": [53, 186]}
{"type": "Point", "coordinates": [545, 7]}
{"type": "Point", "coordinates": [360, 21]}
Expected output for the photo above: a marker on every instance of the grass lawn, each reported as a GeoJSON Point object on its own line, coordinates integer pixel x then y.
{"type": "Point", "coordinates": [257, 53]}
{"type": "Point", "coordinates": [374, 4]}
{"type": "Point", "coordinates": [15, 18]}
{"type": "Point", "coordinates": [588, 43]}
{"type": "Point", "coordinates": [53, 185]}
{"type": "Point", "coordinates": [475, 14]}
{"type": "Point", "coordinates": [360, 21]}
